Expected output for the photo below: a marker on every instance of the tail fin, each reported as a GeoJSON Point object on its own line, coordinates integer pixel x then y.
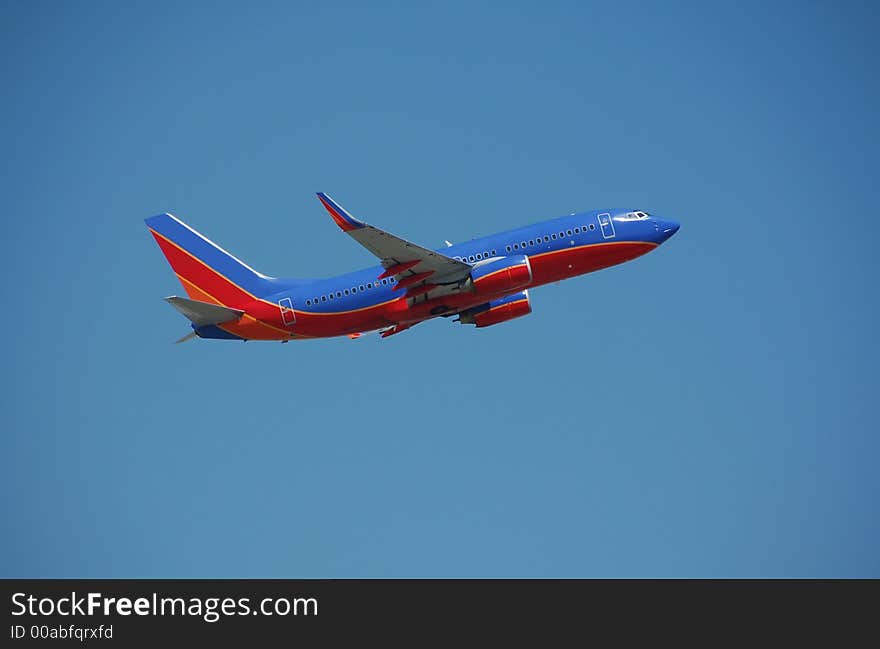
{"type": "Point", "coordinates": [208, 273]}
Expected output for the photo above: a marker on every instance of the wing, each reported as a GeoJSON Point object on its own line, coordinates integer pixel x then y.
{"type": "Point", "coordinates": [417, 269]}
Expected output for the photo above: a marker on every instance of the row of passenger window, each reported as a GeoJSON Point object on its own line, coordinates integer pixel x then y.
{"type": "Point", "coordinates": [477, 257]}
{"type": "Point", "coordinates": [352, 291]}
{"type": "Point", "coordinates": [548, 238]}
{"type": "Point", "coordinates": [472, 258]}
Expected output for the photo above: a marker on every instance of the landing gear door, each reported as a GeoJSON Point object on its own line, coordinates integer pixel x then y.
{"type": "Point", "coordinates": [607, 225]}
{"type": "Point", "coordinates": [287, 314]}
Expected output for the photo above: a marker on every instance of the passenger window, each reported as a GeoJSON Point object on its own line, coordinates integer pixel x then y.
{"type": "Point", "coordinates": [494, 253]}
{"type": "Point", "coordinates": [592, 226]}
{"type": "Point", "coordinates": [531, 242]}
{"type": "Point", "coordinates": [345, 291]}
{"type": "Point", "coordinates": [471, 258]}
{"type": "Point", "coordinates": [338, 293]}
{"type": "Point", "coordinates": [554, 236]}
{"type": "Point", "coordinates": [384, 281]}
{"type": "Point", "coordinates": [362, 287]}
{"type": "Point", "coordinates": [508, 248]}
{"type": "Point", "coordinates": [323, 298]}
{"type": "Point", "coordinates": [479, 256]}
{"type": "Point", "coordinates": [577, 230]}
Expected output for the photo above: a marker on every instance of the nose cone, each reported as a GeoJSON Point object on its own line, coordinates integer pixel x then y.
{"type": "Point", "coordinates": [666, 229]}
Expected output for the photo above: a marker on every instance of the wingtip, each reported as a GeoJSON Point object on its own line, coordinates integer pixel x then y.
{"type": "Point", "coordinates": [342, 218]}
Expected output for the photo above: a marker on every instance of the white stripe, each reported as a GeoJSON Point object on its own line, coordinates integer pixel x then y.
{"type": "Point", "coordinates": [207, 240]}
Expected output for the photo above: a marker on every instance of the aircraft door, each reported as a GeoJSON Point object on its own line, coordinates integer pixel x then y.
{"type": "Point", "coordinates": [287, 314]}
{"type": "Point", "coordinates": [607, 225]}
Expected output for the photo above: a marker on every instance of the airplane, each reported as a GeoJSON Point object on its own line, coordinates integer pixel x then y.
{"type": "Point", "coordinates": [482, 282]}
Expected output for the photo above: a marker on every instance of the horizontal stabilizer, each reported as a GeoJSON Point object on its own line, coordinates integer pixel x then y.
{"type": "Point", "coordinates": [186, 338]}
{"type": "Point", "coordinates": [202, 314]}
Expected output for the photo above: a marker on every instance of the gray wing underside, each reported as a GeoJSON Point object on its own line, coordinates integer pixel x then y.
{"type": "Point", "coordinates": [392, 250]}
{"type": "Point", "coordinates": [202, 314]}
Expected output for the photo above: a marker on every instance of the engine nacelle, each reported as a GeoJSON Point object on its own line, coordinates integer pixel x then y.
{"type": "Point", "coordinates": [500, 276]}
{"type": "Point", "coordinates": [500, 310]}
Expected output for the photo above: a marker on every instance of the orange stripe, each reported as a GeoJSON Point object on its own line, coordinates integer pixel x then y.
{"type": "Point", "coordinates": [211, 269]}
{"type": "Point", "coordinates": [211, 298]}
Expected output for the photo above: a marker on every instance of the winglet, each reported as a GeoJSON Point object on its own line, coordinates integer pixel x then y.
{"type": "Point", "coordinates": [343, 219]}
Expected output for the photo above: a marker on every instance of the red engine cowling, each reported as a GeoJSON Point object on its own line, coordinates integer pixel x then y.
{"type": "Point", "coordinates": [500, 276]}
{"type": "Point", "coordinates": [500, 310]}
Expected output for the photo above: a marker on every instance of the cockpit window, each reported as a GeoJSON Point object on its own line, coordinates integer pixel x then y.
{"type": "Point", "coordinates": [633, 216]}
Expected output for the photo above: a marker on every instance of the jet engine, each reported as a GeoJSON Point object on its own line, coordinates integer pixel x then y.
{"type": "Point", "coordinates": [500, 276]}
{"type": "Point", "coordinates": [500, 310]}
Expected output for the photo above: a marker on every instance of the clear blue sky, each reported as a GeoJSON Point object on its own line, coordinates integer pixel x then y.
{"type": "Point", "coordinates": [704, 411]}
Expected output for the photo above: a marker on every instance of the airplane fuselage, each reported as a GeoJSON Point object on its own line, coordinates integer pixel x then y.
{"type": "Point", "coordinates": [360, 301]}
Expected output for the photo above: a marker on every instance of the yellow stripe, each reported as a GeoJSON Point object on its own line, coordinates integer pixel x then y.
{"type": "Point", "coordinates": [364, 308]}
{"type": "Point", "coordinates": [593, 245]}
{"type": "Point", "coordinates": [213, 270]}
